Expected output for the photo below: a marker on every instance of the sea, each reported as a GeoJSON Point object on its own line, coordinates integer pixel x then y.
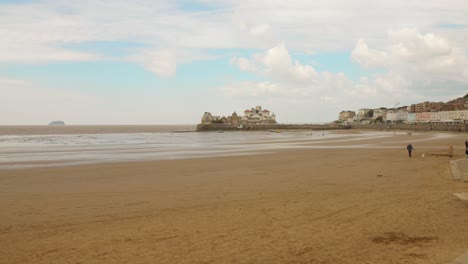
{"type": "Point", "coordinates": [45, 146]}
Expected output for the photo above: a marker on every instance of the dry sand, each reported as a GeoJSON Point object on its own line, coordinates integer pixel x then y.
{"type": "Point", "coordinates": [293, 206]}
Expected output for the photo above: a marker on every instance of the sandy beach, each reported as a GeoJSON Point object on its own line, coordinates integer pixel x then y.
{"type": "Point", "coordinates": [333, 205]}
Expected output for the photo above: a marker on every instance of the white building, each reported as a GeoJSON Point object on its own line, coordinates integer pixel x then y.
{"type": "Point", "coordinates": [364, 113]}
{"type": "Point", "coordinates": [396, 117]}
{"type": "Point", "coordinates": [258, 116]}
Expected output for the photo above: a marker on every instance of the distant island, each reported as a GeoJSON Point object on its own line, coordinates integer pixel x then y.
{"type": "Point", "coordinates": [57, 123]}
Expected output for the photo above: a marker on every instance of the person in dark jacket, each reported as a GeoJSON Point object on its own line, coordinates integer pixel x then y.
{"type": "Point", "coordinates": [410, 149]}
{"type": "Point", "coordinates": [466, 148]}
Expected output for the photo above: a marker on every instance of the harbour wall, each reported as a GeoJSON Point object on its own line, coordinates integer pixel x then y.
{"type": "Point", "coordinates": [260, 127]}
{"type": "Point", "coordinates": [382, 127]}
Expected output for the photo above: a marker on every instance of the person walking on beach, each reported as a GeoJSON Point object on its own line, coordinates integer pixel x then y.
{"type": "Point", "coordinates": [410, 149]}
{"type": "Point", "coordinates": [466, 148]}
{"type": "Point", "coordinates": [450, 150]}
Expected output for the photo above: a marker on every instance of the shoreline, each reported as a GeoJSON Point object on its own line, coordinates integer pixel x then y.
{"type": "Point", "coordinates": [22, 152]}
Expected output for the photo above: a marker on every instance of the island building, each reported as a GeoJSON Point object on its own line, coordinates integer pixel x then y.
{"type": "Point", "coordinates": [252, 116]}
{"type": "Point", "coordinates": [345, 115]}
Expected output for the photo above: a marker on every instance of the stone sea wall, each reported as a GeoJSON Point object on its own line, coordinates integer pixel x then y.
{"type": "Point", "coordinates": [252, 127]}
{"type": "Point", "coordinates": [382, 127]}
{"type": "Point", "coordinates": [415, 127]}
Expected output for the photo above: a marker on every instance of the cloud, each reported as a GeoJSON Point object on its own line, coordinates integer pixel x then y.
{"type": "Point", "coordinates": [48, 26]}
{"type": "Point", "coordinates": [161, 62]}
{"type": "Point", "coordinates": [41, 54]}
{"type": "Point", "coordinates": [260, 29]}
{"type": "Point", "coordinates": [367, 57]}
{"type": "Point", "coordinates": [278, 64]}
{"type": "Point", "coordinates": [244, 64]}
{"type": "Point", "coordinates": [288, 82]}
{"type": "Point", "coordinates": [253, 89]}
{"type": "Point", "coordinates": [5, 81]}
{"type": "Point", "coordinates": [422, 63]}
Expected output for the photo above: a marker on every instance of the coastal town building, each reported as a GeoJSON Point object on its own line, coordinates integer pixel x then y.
{"type": "Point", "coordinates": [258, 116]}
{"type": "Point", "coordinates": [207, 118]}
{"type": "Point", "coordinates": [345, 115]}
{"type": "Point", "coordinates": [365, 113]}
{"type": "Point", "coordinates": [379, 114]}
{"type": "Point", "coordinates": [452, 112]}
{"type": "Point", "coordinates": [402, 116]}
{"type": "Point", "coordinates": [397, 116]}
{"type": "Point", "coordinates": [411, 118]}
{"type": "Point", "coordinates": [251, 116]}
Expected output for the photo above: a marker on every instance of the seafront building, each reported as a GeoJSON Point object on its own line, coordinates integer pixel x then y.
{"type": "Point", "coordinates": [345, 115]}
{"type": "Point", "coordinates": [452, 112]}
{"type": "Point", "coordinates": [400, 116]}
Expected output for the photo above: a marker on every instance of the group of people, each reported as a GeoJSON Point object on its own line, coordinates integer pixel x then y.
{"type": "Point", "coordinates": [410, 149]}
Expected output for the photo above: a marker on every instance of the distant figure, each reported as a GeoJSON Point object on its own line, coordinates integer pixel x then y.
{"type": "Point", "coordinates": [450, 150]}
{"type": "Point", "coordinates": [466, 148]}
{"type": "Point", "coordinates": [410, 149]}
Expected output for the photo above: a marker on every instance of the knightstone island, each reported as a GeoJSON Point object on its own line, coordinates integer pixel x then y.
{"type": "Point", "coordinates": [254, 116]}
{"type": "Point", "coordinates": [253, 119]}
{"type": "Point", "coordinates": [426, 116]}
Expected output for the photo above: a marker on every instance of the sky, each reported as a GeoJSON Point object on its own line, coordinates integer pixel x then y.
{"type": "Point", "coordinates": [167, 62]}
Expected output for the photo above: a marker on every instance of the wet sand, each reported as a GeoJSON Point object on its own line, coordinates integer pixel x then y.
{"type": "Point", "coordinates": [357, 205]}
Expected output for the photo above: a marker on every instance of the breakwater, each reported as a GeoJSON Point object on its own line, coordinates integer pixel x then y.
{"type": "Point", "coordinates": [260, 127]}
{"type": "Point", "coordinates": [382, 127]}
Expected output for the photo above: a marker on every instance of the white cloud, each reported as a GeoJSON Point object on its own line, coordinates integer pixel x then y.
{"type": "Point", "coordinates": [278, 64]}
{"type": "Point", "coordinates": [259, 30]}
{"type": "Point", "coordinates": [304, 25]}
{"type": "Point", "coordinates": [4, 81]}
{"type": "Point", "coordinates": [40, 54]}
{"type": "Point", "coordinates": [41, 32]}
{"type": "Point", "coordinates": [367, 57]}
{"type": "Point", "coordinates": [161, 62]}
{"type": "Point", "coordinates": [423, 63]}
{"type": "Point", "coordinates": [244, 64]}
{"type": "Point", "coordinates": [253, 89]}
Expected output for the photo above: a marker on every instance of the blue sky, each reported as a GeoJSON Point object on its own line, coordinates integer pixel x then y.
{"type": "Point", "coordinates": [160, 62]}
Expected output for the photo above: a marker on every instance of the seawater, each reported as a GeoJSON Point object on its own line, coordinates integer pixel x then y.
{"type": "Point", "coordinates": [29, 151]}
